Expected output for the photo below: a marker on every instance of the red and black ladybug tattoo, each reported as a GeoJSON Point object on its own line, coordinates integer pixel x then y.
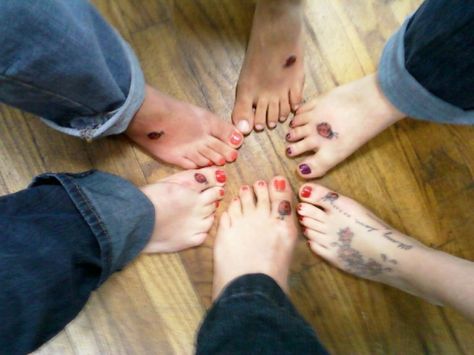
{"type": "Point", "coordinates": [284, 209]}
{"type": "Point", "coordinates": [324, 130]}
{"type": "Point", "coordinates": [155, 135]}
{"type": "Point", "coordinates": [200, 178]}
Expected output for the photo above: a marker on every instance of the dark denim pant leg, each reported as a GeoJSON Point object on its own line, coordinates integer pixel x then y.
{"type": "Point", "coordinates": [60, 60]}
{"type": "Point", "coordinates": [427, 67]}
{"type": "Point", "coordinates": [59, 240]}
{"type": "Point", "coordinates": [254, 316]}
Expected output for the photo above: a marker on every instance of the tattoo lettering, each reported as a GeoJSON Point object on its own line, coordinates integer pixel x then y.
{"type": "Point", "coordinates": [324, 130]}
{"type": "Point", "coordinates": [331, 196]}
{"type": "Point", "coordinates": [155, 135]}
{"type": "Point", "coordinates": [353, 260]}
{"type": "Point", "coordinates": [389, 235]}
{"type": "Point", "coordinates": [200, 178]}
{"type": "Point", "coordinates": [366, 226]}
{"type": "Point", "coordinates": [284, 209]}
{"type": "Point", "coordinates": [290, 61]}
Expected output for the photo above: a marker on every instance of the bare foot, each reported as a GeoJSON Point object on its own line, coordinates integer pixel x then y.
{"type": "Point", "coordinates": [185, 204]}
{"type": "Point", "coordinates": [336, 124]}
{"type": "Point", "coordinates": [353, 239]}
{"type": "Point", "coordinates": [256, 236]}
{"type": "Point", "coordinates": [183, 134]}
{"type": "Point", "coordinates": [272, 76]}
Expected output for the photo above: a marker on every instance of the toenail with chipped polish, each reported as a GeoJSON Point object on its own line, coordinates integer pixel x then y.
{"type": "Point", "coordinates": [288, 151]}
{"type": "Point", "coordinates": [299, 207]}
{"type": "Point", "coordinates": [236, 138]}
{"type": "Point", "coordinates": [221, 192]}
{"type": "Point", "coordinates": [280, 185]}
{"type": "Point", "coordinates": [261, 183]}
{"type": "Point", "coordinates": [243, 126]}
{"type": "Point", "coordinates": [220, 176]}
{"type": "Point", "coordinates": [300, 218]}
{"type": "Point", "coordinates": [210, 164]}
{"type": "Point", "coordinates": [234, 155]}
{"type": "Point", "coordinates": [304, 169]}
{"type": "Point", "coordinates": [288, 136]}
{"type": "Point", "coordinates": [221, 162]}
{"type": "Point", "coordinates": [245, 188]}
{"type": "Point", "coordinates": [306, 191]}
{"type": "Point", "coordinates": [217, 204]}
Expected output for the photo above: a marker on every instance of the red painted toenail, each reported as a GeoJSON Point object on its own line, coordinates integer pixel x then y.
{"type": "Point", "coordinates": [261, 183]}
{"type": "Point", "coordinates": [288, 151]}
{"type": "Point", "coordinates": [234, 156]}
{"type": "Point", "coordinates": [220, 176]}
{"type": "Point", "coordinates": [306, 192]}
{"type": "Point", "coordinates": [280, 185]}
{"type": "Point", "coordinates": [210, 164]}
{"type": "Point", "coordinates": [235, 138]}
{"type": "Point", "coordinates": [300, 218]}
{"type": "Point", "coordinates": [221, 192]}
{"type": "Point", "coordinates": [217, 204]}
{"type": "Point", "coordinates": [299, 207]}
{"type": "Point", "coordinates": [221, 162]}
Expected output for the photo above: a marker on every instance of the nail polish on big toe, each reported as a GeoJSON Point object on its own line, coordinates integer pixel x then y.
{"type": "Point", "coordinates": [306, 191]}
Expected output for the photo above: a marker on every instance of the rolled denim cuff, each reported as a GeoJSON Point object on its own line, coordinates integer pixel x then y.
{"type": "Point", "coordinates": [120, 216]}
{"type": "Point", "coordinates": [407, 94]}
{"type": "Point", "coordinates": [114, 122]}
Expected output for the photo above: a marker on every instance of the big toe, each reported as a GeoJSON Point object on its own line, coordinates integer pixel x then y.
{"type": "Point", "coordinates": [242, 115]}
{"type": "Point", "coordinates": [281, 197]}
{"type": "Point", "coordinates": [318, 195]}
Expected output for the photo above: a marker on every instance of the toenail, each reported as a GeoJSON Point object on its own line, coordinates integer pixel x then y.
{"type": "Point", "coordinates": [245, 188]}
{"type": "Point", "coordinates": [300, 218]}
{"type": "Point", "coordinates": [234, 156]}
{"type": "Point", "coordinates": [236, 138]}
{"type": "Point", "coordinates": [221, 162]}
{"type": "Point", "coordinates": [296, 107]}
{"type": "Point", "coordinates": [282, 119]}
{"type": "Point", "coordinates": [259, 127]}
{"type": "Point", "coordinates": [288, 136]}
{"type": "Point", "coordinates": [299, 207]}
{"type": "Point", "coordinates": [220, 176]}
{"type": "Point", "coordinates": [235, 199]}
{"type": "Point", "coordinates": [210, 164]}
{"type": "Point", "coordinates": [261, 183]}
{"type": "Point", "coordinates": [221, 192]}
{"type": "Point", "coordinates": [272, 124]}
{"type": "Point", "coordinates": [288, 151]}
{"type": "Point", "coordinates": [304, 169]}
{"type": "Point", "coordinates": [292, 123]}
{"type": "Point", "coordinates": [280, 185]}
{"type": "Point", "coordinates": [243, 126]}
{"type": "Point", "coordinates": [217, 204]}
{"type": "Point", "coordinates": [306, 192]}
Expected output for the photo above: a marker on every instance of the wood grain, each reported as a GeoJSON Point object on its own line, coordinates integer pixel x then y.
{"type": "Point", "coordinates": [417, 176]}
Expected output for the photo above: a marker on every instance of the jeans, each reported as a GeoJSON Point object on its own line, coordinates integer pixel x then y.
{"type": "Point", "coordinates": [66, 234]}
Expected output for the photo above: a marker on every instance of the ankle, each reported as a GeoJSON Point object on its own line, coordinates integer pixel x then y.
{"type": "Point", "coordinates": [383, 106]}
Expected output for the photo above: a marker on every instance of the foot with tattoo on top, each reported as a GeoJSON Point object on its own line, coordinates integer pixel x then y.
{"type": "Point", "coordinates": [185, 205]}
{"type": "Point", "coordinates": [334, 125]}
{"type": "Point", "coordinates": [257, 234]}
{"type": "Point", "coordinates": [350, 237]}
{"type": "Point", "coordinates": [183, 134]}
{"type": "Point", "coordinates": [272, 75]}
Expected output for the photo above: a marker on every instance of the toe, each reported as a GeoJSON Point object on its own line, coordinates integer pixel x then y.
{"type": "Point", "coordinates": [261, 114]}
{"type": "Point", "coordinates": [316, 195]}
{"type": "Point", "coordinates": [316, 165]}
{"type": "Point", "coordinates": [227, 153]}
{"type": "Point", "coordinates": [199, 238]}
{"type": "Point", "coordinates": [321, 250]}
{"type": "Point", "coordinates": [235, 209]}
{"type": "Point", "coordinates": [185, 163]}
{"type": "Point", "coordinates": [273, 114]}
{"type": "Point", "coordinates": [261, 192]}
{"type": "Point", "coordinates": [303, 146]}
{"type": "Point", "coordinates": [199, 159]}
{"type": "Point", "coordinates": [242, 115]}
{"type": "Point", "coordinates": [213, 156]}
{"type": "Point", "coordinates": [306, 107]}
{"type": "Point", "coordinates": [280, 197]}
{"type": "Point", "coordinates": [224, 222]}
{"type": "Point", "coordinates": [296, 96]}
{"type": "Point", "coordinates": [211, 195]}
{"type": "Point", "coordinates": [313, 224]}
{"type": "Point", "coordinates": [226, 133]}
{"type": "Point", "coordinates": [310, 211]}
{"type": "Point", "coordinates": [247, 198]}
{"type": "Point", "coordinates": [206, 224]}
{"type": "Point", "coordinates": [284, 108]}
{"type": "Point", "coordinates": [298, 133]}
{"type": "Point", "coordinates": [300, 120]}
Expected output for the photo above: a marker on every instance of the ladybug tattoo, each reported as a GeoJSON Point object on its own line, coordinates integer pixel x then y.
{"type": "Point", "coordinates": [324, 130]}
{"type": "Point", "coordinates": [155, 135]}
{"type": "Point", "coordinates": [200, 178]}
{"type": "Point", "coordinates": [331, 196]}
{"type": "Point", "coordinates": [290, 61]}
{"type": "Point", "coordinates": [284, 209]}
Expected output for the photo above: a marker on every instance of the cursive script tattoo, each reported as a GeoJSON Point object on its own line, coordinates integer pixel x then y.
{"type": "Point", "coordinates": [325, 130]}
{"type": "Point", "coordinates": [390, 236]}
{"type": "Point", "coordinates": [284, 209]}
{"type": "Point", "coordinates": [331, 196]}
{"type": "Point", "coordinates": [353, 260]}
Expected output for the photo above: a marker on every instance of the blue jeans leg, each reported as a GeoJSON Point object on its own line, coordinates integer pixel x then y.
{"type": "Point", "coordinates": [61, 60]}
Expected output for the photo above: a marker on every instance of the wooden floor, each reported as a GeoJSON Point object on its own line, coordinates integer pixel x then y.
{"type": "Point", "coordinates": [417, 176]}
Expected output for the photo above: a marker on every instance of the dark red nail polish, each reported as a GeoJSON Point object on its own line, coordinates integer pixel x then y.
{"type": "Point", "coordinates": [305, 169]}
{"type": "Point", "coordinates": [306, 191]}
{"type": "Point", "coordinates": [300, 218]}
{"type": "Point", "coordinates": [287, 137]}
{"type": "Point", "coordinates": [288, 151]}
